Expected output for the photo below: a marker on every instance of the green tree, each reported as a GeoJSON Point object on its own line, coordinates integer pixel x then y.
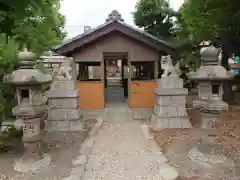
{"type": "Point", "coordinates": [38, 24]}
{"type": "Point", "coordinates": [217, 21]}
{"type": "Point", "coordinates": [155, 17]}
{"type": "Point", "coordinates": [8, 63]}
{"type": "Point", "coordinates": [35, 23]}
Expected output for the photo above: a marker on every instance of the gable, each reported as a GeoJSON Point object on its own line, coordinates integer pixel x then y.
{"type": "Point", "coordinates": [87, 38]}
{"type": "Point", "coordinates": [115, 42]}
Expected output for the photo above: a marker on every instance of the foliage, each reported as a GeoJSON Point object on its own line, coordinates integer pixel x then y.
{"type": "Point", "coordinates": [9, 137]}
{"type": "Point", "coordinates": [209, 21]}
{"type": "Point", "coordinates": [37, 24]}
{"type": "Point", "coordinates": [155, 17]}
{"type": "Point", "coordinates": [8, 63]}
{"type": "Point", "coordinates": [185, 69]}
{"type": "Point", "coordinates": [236, 81]}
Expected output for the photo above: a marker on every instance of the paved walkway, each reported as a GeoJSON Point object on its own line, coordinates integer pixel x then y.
{"type": "Point", "coordinates": [120, 151]}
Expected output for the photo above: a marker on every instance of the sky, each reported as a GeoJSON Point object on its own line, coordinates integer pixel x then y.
{"type": "Point", "coordinates": [80, 13]}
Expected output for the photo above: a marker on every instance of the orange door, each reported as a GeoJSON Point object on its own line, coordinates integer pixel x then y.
{"type": "Point", "coordinates": [142, 94]}
{"type": "Point", "coordinates": [91, 95]}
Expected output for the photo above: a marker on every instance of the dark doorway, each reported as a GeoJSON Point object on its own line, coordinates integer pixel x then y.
{"type": "Point", "coordinates": [115, 77]}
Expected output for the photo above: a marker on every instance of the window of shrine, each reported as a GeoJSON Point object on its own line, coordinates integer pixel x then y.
{"type": "Point", "coordinates": [143, 70]}
{"type": "Point", "coordinates": [89, 71]}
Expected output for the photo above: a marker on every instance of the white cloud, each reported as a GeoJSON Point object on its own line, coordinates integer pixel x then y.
{"type": "Point", "coordinates": [94, 12]}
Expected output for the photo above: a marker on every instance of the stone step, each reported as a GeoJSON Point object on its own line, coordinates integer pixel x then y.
{"type": "Point", "coordinates": [114, 90]}
{"type": "Point", "coordinates": [114, 82]}
{"type": "Point", "coordinates": [114, 93]}
{"type": "Point", "coordinates": [113, 98]}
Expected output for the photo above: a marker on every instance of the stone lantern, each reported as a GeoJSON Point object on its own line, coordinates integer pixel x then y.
{"type": "Point", "coordinates": [31, 109]}
{"type": "Point", "coordinates": [211, 77]}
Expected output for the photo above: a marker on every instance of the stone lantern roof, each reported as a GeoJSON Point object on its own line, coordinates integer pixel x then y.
{"type": "Point", "coordinates": [211, 70]}
{"type": "Point", "coordinates": [27, 75]}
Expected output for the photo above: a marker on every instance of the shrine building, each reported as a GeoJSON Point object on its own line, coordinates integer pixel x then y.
{"type": "Point", "coordinates": [115, 62]}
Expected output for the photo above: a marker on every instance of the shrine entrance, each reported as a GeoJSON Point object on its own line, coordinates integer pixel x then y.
{"type": "Point", "coordinates": [116, 76]}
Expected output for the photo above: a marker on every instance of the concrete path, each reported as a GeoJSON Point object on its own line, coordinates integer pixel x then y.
{"type": "Point", "coordinates": [120, 151]}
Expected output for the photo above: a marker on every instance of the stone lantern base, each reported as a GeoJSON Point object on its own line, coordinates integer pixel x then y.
{"type": "Point", "coordinates": [29, 164]}
{"type": "Point", "coordinates": [33, 159]}
{"type": "Point", "coordinates": [208, 152]}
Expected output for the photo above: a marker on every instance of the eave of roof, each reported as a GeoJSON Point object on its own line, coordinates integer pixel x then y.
{"type": "Point", "coordinates": [91, 31]}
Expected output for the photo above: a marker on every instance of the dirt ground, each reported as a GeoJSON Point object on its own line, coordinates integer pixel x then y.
{"type": "Point", "coordinates": [176, 144]}
{"type": "Point", "coordinates": [62, 147]}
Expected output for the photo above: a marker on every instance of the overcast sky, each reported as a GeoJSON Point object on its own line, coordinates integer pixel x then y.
{"type": "Point", "coordinates": [80, 13]}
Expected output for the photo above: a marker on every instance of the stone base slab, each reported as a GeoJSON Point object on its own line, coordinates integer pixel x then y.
{"type": "Point", "coordinates": [63, 94]}
{"type": "Point", "coordinates": [64, 103]}
{"type": "Point", "coordinates": [170, 111]}
{"type": "Point", "coordinates": [171, 91]}
{"type": "Point", "coordinates": [63, 85]}
{"type": "Point", "coordinates": [34, 166]}
{"type": "Point", "coordinates": [159, 123]}
{"type": "Point", "coordinates": [142, 113]}
{"type": "Point", "coordinates": [171, 100]}
{"type": "Point", "coordinates": [64, 114]}
{"type": "Point", "coordinates": [64, 126]}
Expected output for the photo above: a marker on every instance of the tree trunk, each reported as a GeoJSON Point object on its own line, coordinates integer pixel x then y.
{"type": "Point", "coordinates": [228, 95]}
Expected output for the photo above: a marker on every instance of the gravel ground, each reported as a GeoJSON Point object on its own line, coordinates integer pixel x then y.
{"type": "Point", "coordinates": [176, 144]}
{"type": "Point", "coordinates": [62, 148]}
{"type": "Point", "coordinates": [120, 152]}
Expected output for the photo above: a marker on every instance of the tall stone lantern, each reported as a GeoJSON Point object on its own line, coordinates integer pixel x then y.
{"type": "Point", "coordinates": [211, 76]}
{"type": "Point", "coordinates": [31, 109]}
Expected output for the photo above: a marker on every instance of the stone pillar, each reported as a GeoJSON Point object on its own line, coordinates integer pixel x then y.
{"type": "Point", "coordinates": [65, 113]}
{"type": "Point", "coordinates": [170, 109]}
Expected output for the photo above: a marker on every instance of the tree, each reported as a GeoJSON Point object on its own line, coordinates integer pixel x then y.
{"type": "Point", "coordinates": [35, 23]}
{"type": "Point", "coordinates": [8, 63]}
{"type": "Point", "coordinates": [155, 17]}
{"type": "Point", "coordinates": [217, 21]}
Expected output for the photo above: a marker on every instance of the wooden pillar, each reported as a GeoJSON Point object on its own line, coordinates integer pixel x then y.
{"type": "Point", "coordinates": [130, 70]}
{"type": "Point", "coordinates": [156, 69]}
{"type": "Point", "coordinates": [103, 68]}
{"type": "Point", "coordinates": [74, 70]}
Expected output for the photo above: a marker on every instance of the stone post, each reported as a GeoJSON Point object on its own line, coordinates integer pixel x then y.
{"type": "Point", "coordinates": [170, 109]}
{"type": "Point", "coordinates": [65, 113]}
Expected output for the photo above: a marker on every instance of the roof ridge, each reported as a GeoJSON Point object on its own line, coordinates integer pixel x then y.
{"type": "Point", "coordinates": [90, 31]}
